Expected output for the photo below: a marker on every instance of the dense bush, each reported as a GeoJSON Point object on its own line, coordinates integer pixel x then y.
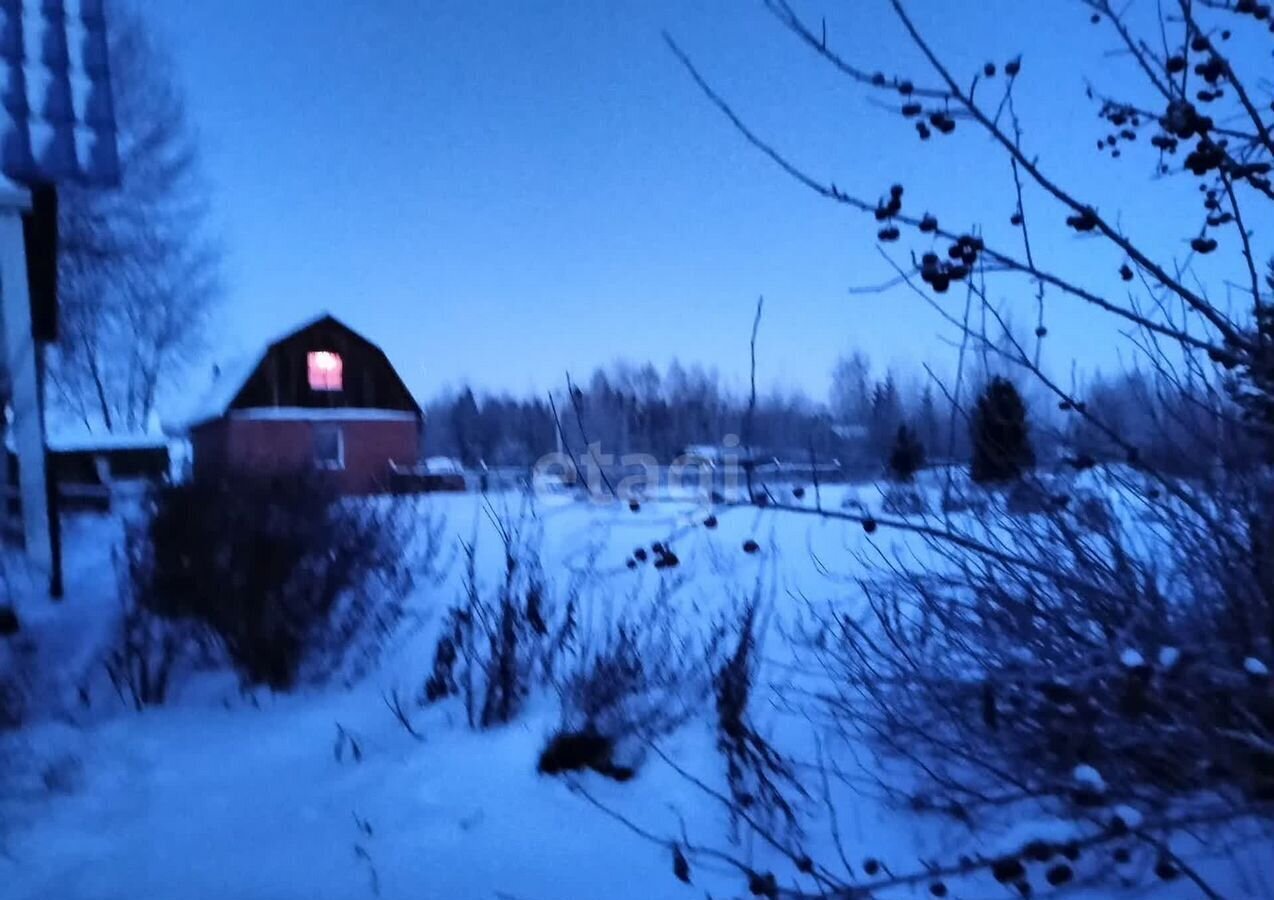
{"type": "Point", "coordinates": [284, 573]}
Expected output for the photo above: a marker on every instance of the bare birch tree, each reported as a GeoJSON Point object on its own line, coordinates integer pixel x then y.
{"type": "Point", "coordinates": [138, 271]}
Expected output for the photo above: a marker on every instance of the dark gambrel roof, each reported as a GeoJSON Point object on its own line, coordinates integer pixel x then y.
{"type": "Point", "coordinates": [232, 378]}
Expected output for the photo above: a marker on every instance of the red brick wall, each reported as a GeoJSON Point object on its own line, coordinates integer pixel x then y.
{"type": "Point", "coordinates": [280, 446]}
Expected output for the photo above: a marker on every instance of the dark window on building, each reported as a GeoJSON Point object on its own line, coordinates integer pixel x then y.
{"type": "Point", "coordinates": [329, 447]}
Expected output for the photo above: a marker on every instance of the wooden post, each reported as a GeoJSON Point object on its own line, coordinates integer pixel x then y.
{"type": "Point", "coordinates": [21, 356]}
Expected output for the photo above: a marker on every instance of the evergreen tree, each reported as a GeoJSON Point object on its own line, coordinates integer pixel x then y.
{"type": "Point", "coordinates": [928, 425]}
{"type": "Point", "coordinates": [907, 456]}
{"type": "Point", "coordinates": [886, 414]}
{"type": "Point", "coordinates": [1001, 442]}
{"type": "Point", "coordinates": [466, 425]}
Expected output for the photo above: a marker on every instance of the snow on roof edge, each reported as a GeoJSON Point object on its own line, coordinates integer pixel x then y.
{"type": "Point", "coordinates": [323, 414]}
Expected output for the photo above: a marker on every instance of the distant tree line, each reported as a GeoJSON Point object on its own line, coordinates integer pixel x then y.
{"type": "Point", "coordinates": [637, 408]}
{"type": "Point", "coordinates": [627, 408]}
{"type": "Point", "coordinates": [871, 423]}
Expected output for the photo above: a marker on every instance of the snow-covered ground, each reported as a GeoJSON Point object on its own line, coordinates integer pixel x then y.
{"type": "Point", "coordinates": [221, 794]}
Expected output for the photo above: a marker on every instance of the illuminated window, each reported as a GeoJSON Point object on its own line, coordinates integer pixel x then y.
{"type": "Point", "coordinates": [325, 370]}
{"type": "Point", "coordinates": [329, 447]}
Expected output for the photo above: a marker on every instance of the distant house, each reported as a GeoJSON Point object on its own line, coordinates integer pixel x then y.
{"type": "Point", "coordinates": [321, 399]}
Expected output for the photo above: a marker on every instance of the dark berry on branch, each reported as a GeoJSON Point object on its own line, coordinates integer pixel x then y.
{"type": "Point", "coordinates": [1040, 851]}
{"type": "Point", "coordinates": [942, 122]}
{"type": "Point", "coordinates": [911, 109]}
{"type": "Point", "coordinates": [928, 224]}
{"type": "Point", "coordinates": [1125, 272]}
{"type": "Point", "coordinates": [1007, 869]}
{"type": "Point", "coordinates": [1013, 66]}
{"type": "Point", "coordinates": [1083, 221]}
{"type": "Point", "coordinates": [889, 234]}
{"type": "Point", "coordinates": [1059, 874]}
{"type": "Point", "coordinates": [680, 867]}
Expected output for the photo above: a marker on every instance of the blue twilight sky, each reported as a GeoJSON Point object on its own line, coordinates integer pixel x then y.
{"type": "Point", "coordinates": [500, 191]}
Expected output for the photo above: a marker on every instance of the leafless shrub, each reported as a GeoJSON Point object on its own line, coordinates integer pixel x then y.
{"type": "Point", "coordinates": [762, 782]}
{"type": "Point", "coordinates": [1066, 670]}
{"type": "Point", "coordinates": [904, 500]}
{"type": "Point", "coordinates": [496, 644]}
{"type": "Point", "coordinates": [145, 656]}
{"type": "Point", "coordinates": [1027, 497]}
{"type": "Point", "coordinates": [637, 679]}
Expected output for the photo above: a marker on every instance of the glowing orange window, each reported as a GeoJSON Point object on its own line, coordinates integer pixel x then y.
{"type": "Point", "coordinates": [325, 369]}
